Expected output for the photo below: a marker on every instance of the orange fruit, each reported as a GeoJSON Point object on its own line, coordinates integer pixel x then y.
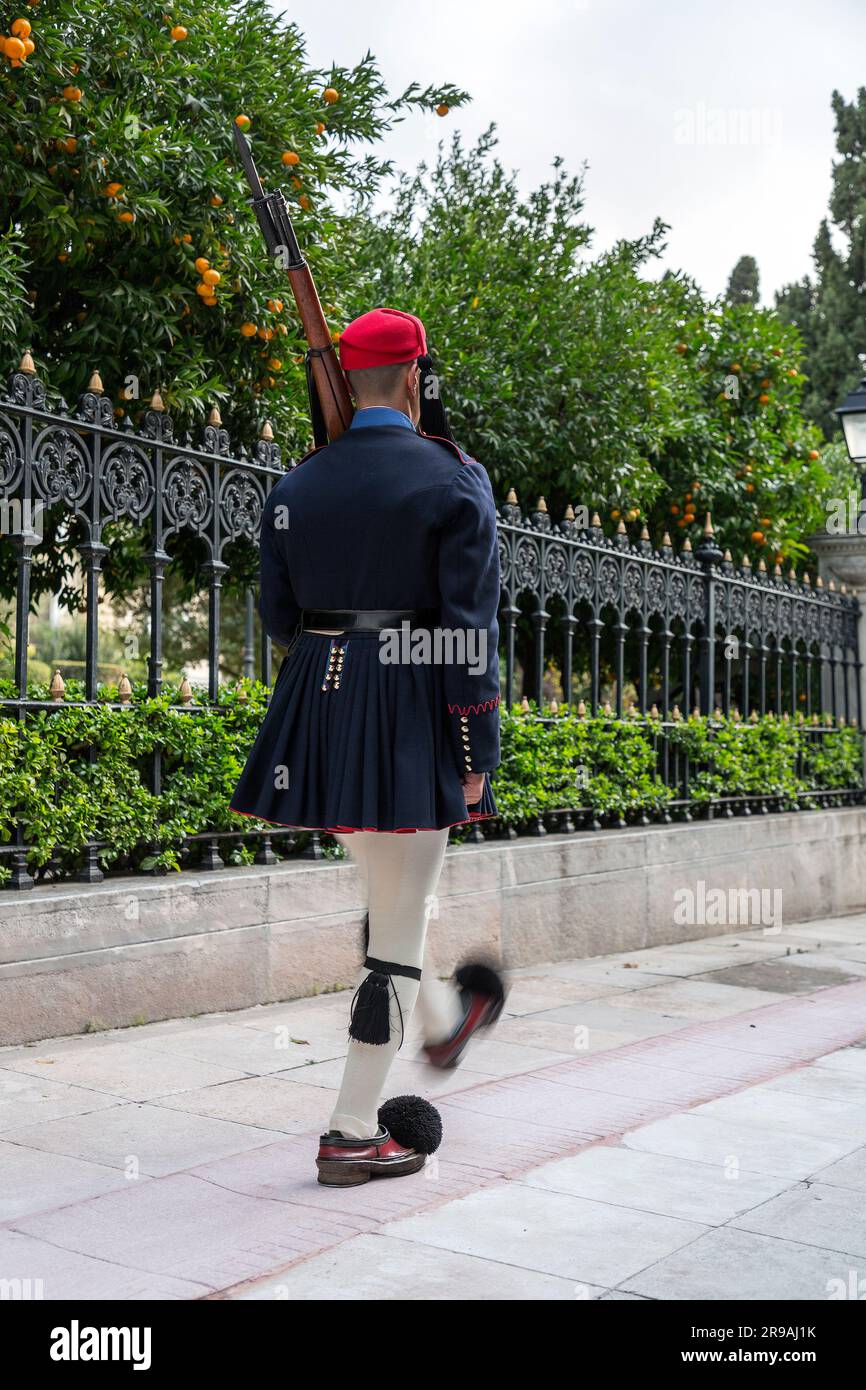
{"type": "Point", "coordinates": [764, 400]}
{"type": "Point", "coordinates": [289, 157]}
{"type": "Point", "coordinates": [765, 383]}
{"type": "Point", "coordinates": [15, 49]}
{"type": "Point", "coordinates": [275, 306]}
{"type": "Point", "coordinates": [248, 330]}
{"type": "Point", "coordinates": [750, 487]}
{"type": "Point", "coordinates": [216, 201]}
{"type": "Point", "coordinates": [275, 364]}
{"type": "Point", "coordinates": [735, 367]}
{"type": "Point", "coordinates": [127, 216]}
{"type": "Point", "coordinates": [681, 347]}
{"type": "Point", "coordinates": [113, 189]}
{"type": "Point", "coordinates": [442, 109]}
{"type": "Point", "coordinates": [186, 238]}
{"type": "Point", "coordinates": [765, 521]}
{"type": "Point", "coordinates": [63, 255]}
{"type": "Point", "coordinates": [296, 182]}
{"type": "Point", "coordinates": [758, 537]}
{"type": "Point", "coordinates": [320, 127]}
{"type": "Point", "coordinates": [209, 299]}
{"type": "Point", "coordinates": [792, 371]}
{"type": "Point", "coordinates": [70, 145]}
{"type": "Point", "coordinates": [331, 95]}
{"type": "Point", "coordinates": [243, 122]}
{"type": "Point", "coordinates": [179, 33]}
{"type": "Point", "coordinates": [29, 47]}
{"type": "Point", "coordinates": [21, 28]}
{"type": "Point", "coordinates": [634, 514]}
{"type": "Point", "coordinates": [211, 277]}
{"type": "Point", "coordinates": [265, 334]}
{"type": "Point", "coordinates": [813, 454]}
{"type": "Point", "coordinates": [69, 93]}
{"type": "Point", "coordinates": [281, 328]}
{"type": "Point", "coordinates": [203, 289]}
{"type": "Point", "coordinates": [304, 202]}
{"type": "Point", "coordinates": [201, 265]}
{"type": "Point", "coordinates": [675, 511]}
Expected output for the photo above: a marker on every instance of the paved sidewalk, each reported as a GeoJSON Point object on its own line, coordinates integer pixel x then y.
{"type": "Point", "coordinates": [681, 1122]}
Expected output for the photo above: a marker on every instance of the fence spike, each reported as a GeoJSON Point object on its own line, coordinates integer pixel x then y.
{"type": "Point", "coordinates": [27, 364]}
{"type": "Point", "coordinates": [620, 527]}
{"type": "Point", "coordinates": [819, 582]}
{"type": "Point", "coordinates": [607, 708]}
{"type": "Point", "coordinates": [214, 418]}
{"type": "Point", "coordinates": [728, 558]}
{"type": "Point", "coordinates": [644, 532]}
{"type": "Point", "coordinates": [95, 384]}
{"type": "Point", "coordinates": [185, 691]}
{"type": "Point", "coordinates": [696, 713]}
{"type": "Point", "coordinates": [581, 709]}
{"type": "Point", "coordinates": [57, 688]}
{"type": "Point", "coordinates": [266, 431]}
{"type": "Point", "coordinates": [596, 520]}
{"type": "Point", "coordinates": [156, 401]}
{"type": "Point", "coordinates": [666, 540]}
{"type": "Point", "coordinates": [675, 714]}
{"type": "Point", "coordinates": [747, 564]}
{"type": "Point", "coordinates": [792, 573]}
{"type": "Point", "coordinates": [541, 505]}
{"type": "Point", "coordinates": [844, 587]}
{"type": "Point", "coordinates": [753, 717]}
{"type": "Point", "coordinates": [777, 570]}
{"type": "Point", "coordinates": [524, 705]}
{"type": "Point", "coordinates": [654, 712]}
{"type": "Point", "coordinates": [569, 513]}
{"type": "Point", "coordinates": [832, 586]}
{"type": "Point", "coordinates": [512, 497]}
{"type": "Point", "coordinates": [762, 566]}
{"type": "Point", "coordinates": [554, 707]}
{"type": "Point", "coordinates": [688, 544]}
{"type": "Point", "coordinates": [124, 689]}
{"type": "Point", "coordinates": [708, 526]}
{"type": "Point", "coordinates": [807, 580]}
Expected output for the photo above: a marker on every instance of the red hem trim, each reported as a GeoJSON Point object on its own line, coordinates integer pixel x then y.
{"type": "Point", "coordinates": [350, 829]}
{"type": "Point", "coordinates": [475, 709]}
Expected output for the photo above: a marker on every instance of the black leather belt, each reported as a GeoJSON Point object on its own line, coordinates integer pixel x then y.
{"type": "Point", "coordinates": [366, 619]}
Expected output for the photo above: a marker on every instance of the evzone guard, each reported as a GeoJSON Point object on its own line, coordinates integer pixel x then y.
{"type": "Point", "coordinates": [382, 546]}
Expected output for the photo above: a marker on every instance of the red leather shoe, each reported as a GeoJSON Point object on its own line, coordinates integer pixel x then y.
{"type": "Point", "coordinates": [347, 1162]}
{"type": "Point", "coordinates": [483, 994]}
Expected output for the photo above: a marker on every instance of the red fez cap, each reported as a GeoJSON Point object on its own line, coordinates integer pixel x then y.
{"type": "Point", "coordinates": [380, 338]}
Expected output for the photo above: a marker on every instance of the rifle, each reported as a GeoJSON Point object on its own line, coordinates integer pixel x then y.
{"type": "Point", "coordinates": [330, 402]}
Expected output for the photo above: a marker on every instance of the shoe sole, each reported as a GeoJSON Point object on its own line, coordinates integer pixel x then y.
{"type": "Point", "coordinates": [488, 1020]}
{"type": "Point", "coordinates": [346, 1172]}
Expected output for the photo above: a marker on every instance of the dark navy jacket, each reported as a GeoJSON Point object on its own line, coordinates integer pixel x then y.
{"type": "Point", "coordinates": [385, 518]}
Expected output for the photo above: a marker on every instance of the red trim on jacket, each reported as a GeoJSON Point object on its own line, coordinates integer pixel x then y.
{"type": "Point", "coordinates": [475, 709]}
{"type": "Point", "coordinates": [449, 444]}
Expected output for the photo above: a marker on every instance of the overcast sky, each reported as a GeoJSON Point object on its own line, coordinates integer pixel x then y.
{"type": "Point", "coordinates": [713, 116]}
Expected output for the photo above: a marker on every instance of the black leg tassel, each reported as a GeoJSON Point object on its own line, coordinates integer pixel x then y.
{"type": "Point", "coordinates": [370, 1017]}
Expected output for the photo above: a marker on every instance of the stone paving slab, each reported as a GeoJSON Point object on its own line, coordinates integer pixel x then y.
{"type": "Point", "coordinates": [625, 1171]}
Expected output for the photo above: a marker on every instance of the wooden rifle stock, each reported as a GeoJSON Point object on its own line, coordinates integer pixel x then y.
{"type": "Point", "coordinates": [279, 234]}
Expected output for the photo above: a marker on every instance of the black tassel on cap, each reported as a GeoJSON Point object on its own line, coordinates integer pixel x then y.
{"type": "Point", "coordinates": [433, 418]}
{"type": "Point", "coordinates": [370, 1018]}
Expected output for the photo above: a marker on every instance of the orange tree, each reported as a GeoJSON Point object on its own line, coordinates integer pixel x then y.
{"type": "Point", "coordinates": [127, 243]}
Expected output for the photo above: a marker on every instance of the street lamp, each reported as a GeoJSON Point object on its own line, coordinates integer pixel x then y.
{"type": "Point", "coordinates": [852, 416]}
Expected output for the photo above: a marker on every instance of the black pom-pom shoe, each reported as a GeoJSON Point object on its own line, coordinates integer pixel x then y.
{"type": "Point", "coordinates": [415, 1131]}
{"type": "Point", "coordinates": [482, 991]}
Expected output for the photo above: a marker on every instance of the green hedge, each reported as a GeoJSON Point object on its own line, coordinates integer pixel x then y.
{"type": "Point", "coordinates": [79, 774]}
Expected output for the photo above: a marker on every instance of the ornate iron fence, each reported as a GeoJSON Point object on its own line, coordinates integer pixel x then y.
{"type": "Point", "coordinates": [608, 616]}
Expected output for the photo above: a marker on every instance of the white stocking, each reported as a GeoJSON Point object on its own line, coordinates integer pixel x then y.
{"type": "Point", "coordinates": [401, 874]}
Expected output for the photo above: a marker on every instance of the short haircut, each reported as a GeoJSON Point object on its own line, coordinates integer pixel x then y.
{"type": "Point", "coordinates": [377, 381]}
